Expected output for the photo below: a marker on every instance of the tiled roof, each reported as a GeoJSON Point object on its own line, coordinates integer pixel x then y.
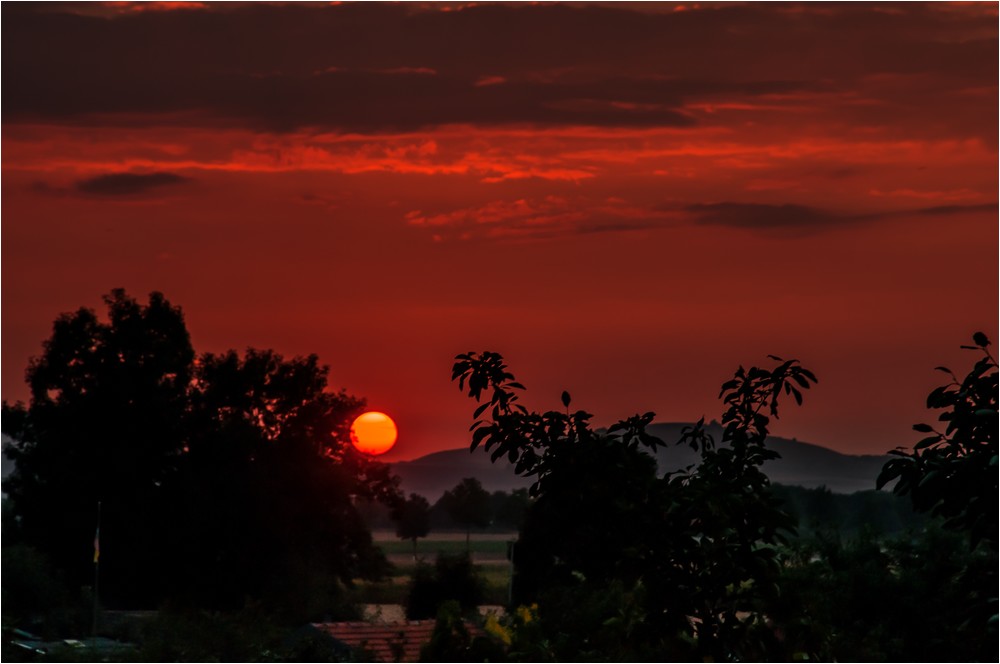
{"type": "Point", "coordinates": [400, 642]}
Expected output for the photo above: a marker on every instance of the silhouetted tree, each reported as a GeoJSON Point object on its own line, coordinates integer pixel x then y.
{"type": "Point", "coordinates": [509, 509]}
{"type": "Point", "coordinates": [451, 578]}
{"type": "Point", "coordinates": [867, 598]}
{"type": "Point", "coordinates": [269, 484]}
{"type": "Point", "coordinates": [621, 558]}
{"type": "Point", "coordinates": [953, 473]}
{"type": "Point", "coordinates": [468, 504]}
{"type": "Point", "coordinates": [413, 519]}
{"type": "Point", "coordinates": [451, 640]}
{"type": "Point", "coordinates": [822, 511]}
{"type": "Point", "coordinates": [105, 423]}
{"type": "Point", "coordinates": [220, 479]}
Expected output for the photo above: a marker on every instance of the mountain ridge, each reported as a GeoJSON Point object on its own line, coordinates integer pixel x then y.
{"type": "Point", "coordinates": [801, 464]}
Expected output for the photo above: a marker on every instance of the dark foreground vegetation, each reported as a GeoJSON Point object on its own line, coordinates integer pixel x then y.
{"type": "Point", "coordinates": [234, 512]}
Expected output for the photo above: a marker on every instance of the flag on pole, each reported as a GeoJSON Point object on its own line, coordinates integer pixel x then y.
{"type": "Point", "coordinates": [97, 535]}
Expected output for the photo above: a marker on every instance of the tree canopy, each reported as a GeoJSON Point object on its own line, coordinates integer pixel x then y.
{"type": "Point", "coordinates": [469, 505]}
{"type": "Point", "coordinates": [413, 519]}
{"type": "Point", "coordinates": [106, 423]}
{"type": "Point", "coordinates": [221, 477]}
{"type": "Point", "coordinates": [953, 473]}
{"type": "Point", "coordinates": [621, 558]}
{"type": "Point", "coordinates": [618, 561]}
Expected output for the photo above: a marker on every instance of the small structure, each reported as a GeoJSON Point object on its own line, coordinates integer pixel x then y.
{"type": "Point", "coordinates": [387, 642]}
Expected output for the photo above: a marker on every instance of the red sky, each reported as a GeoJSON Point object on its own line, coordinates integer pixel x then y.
{"type": "Point", "coordinates": [628, 201]}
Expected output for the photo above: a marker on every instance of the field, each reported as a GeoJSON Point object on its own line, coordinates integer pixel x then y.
{"type": "Point", "coordinates": [489, 553]}
{"type": "Point", "coordinates": [486, 548]}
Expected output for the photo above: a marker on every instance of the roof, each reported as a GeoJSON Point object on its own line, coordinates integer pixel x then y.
{"type": "Point", "coordinates": [400, 642]}
{"type": "Point", "coordinates": [394, 642]}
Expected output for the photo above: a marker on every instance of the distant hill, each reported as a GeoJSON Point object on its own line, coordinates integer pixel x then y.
{"type": "Point", "coordinates": [435, 473]}
{"type": "Point", "coordinates": [801, 464]}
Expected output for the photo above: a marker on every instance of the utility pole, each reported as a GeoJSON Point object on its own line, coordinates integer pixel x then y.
{"type": "Point", "coordinates": [97, 569]}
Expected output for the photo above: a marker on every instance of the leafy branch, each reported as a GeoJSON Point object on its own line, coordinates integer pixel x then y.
{"type": "Point", "coordinates": [953, 473]}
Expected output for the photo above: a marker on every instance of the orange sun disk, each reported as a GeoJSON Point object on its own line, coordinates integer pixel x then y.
{"type": "Point", "coordinates": [373, 433]}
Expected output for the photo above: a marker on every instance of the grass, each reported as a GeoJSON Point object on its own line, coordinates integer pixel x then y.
{"type": "Point", "coordinates": [429, 548]}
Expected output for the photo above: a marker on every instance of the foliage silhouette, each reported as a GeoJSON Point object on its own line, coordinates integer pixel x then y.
{"type": "Point", "coordinates": [685, 553]}
{"type": "Point", "coordinates": [509, 509]}
{"type": "Point", "coordinates": [108, 403]}
{"type": "Point", "coordinates": [469, 505]}
{"type": "Point", "coordinates": [953, 473]}
{"type": "Point", "coordinates": [37, 599]}
{"type": "Point", "coordinates": [413, 519]}
{"type": "Point", "coordinates": [452, 641]}
{"type": "Point", "coordinates": [221, 479]}
{"type": "Point", "coordinates": [869, 598]}
{"type": "Point", "coordinates": [271, 489]}
{"type": "Point", "coordinates": [821, 510]}
{"type": "Point", "coordinates": [451, 578]}
{"type": "Point", "coordinates": [249, 635]}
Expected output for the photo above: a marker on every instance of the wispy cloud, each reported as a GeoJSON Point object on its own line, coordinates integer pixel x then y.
{"type": "Point", "coordinates": [128, 184]}
{"type": "Point", "coordinates": [557, 216]}
{"type": "Point", "coordinates": [761, 216]}
{"type": "Point", "coordinates": [537, 218]}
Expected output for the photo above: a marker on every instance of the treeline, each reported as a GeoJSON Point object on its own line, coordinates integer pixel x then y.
{"type": "Point", "coordinates": [174, 478]}
{"type": "Point", "coordinates": [816, 510]}
{"type": "Point", "coordinates": [500, 511]}
{"type": "Point", "coordinates": [224, 485]}
{"type": "Point", "coordinates": [822, 511]}
{"type": "Point", "coordinates": [615, 561]}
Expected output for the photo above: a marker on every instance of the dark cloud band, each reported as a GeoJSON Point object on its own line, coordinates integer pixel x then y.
{"type": "Point", "coordinates": [376, 66]}
{"type": "Point", "coordinates": [127, 184]}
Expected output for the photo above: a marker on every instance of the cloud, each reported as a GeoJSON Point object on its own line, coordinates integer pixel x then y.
{"type": "Point", "coordinates": [803, 219]}
{"type": "Point", "coordinates": [934, 211]}
{"type": "Point", "coordinates": [761, 216]}
{"type": "Point", "coordinates": [349, 100]}
{"type": "Point", "coordinates": [385, 67]}
{"type": "Point", "coordinates": [538, 218]}
{"type": "Point", "coordinates": [490, 80]}
{"type": "Point", "coordinates": [127, 184]}
{"type": "Point", "coordinates": [962, 194]}
{"type": "Point", "coordinates": [153, 6]}
{"type": "Point", "coordinates": [550, 217]}
{"type": "Point", "coordinates": [957, 209]}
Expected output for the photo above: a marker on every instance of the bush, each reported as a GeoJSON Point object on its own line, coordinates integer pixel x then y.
{"type": "Point", "coordinates": [451, 578]}
{"type": "Point", "coordinates": [909, 598]}
{"type": "Point", "coordinates": [37, 598]}
{"type": "Point", "coordinates": [244, 636]}
{"type": "Point", "coordinates": [453, 642]}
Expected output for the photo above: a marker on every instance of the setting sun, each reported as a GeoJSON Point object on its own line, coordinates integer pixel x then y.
{"type": "Point", "coordinates": [373, 433]}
